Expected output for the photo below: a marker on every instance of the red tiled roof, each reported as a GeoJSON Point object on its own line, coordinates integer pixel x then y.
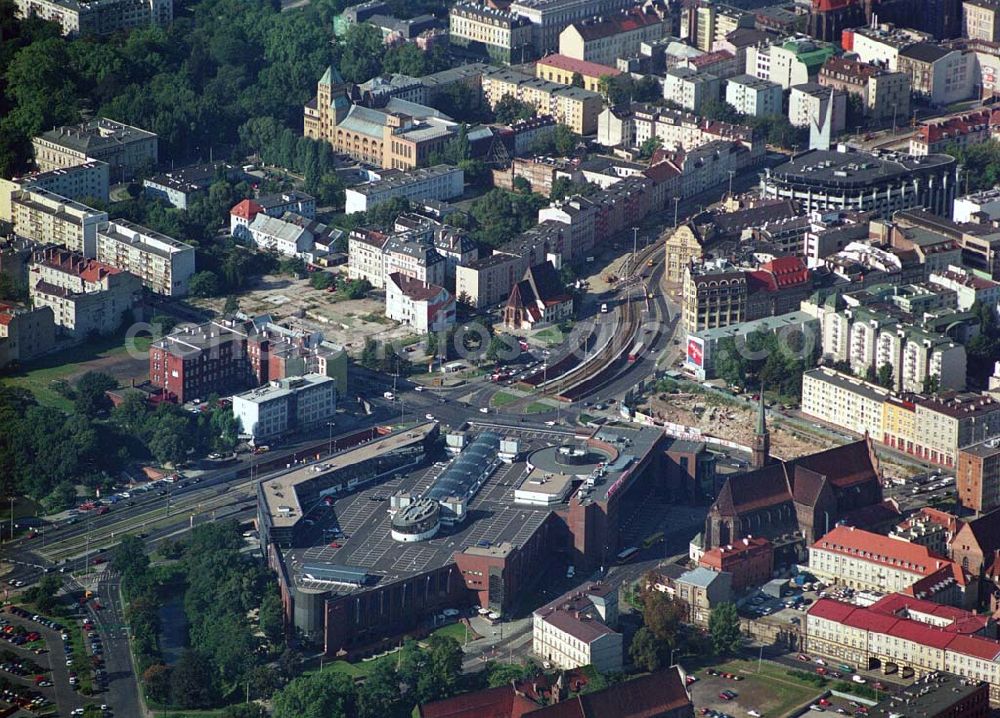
{"type": "Point", "coordinates": [648, 696]}
{"type": "Point", "coordinates": [501, 702]}
{"type": "Point", "coordinates": [634, 19]}
{"type": "Point", "coordinates": [831, 610]}
{"type": "Point", "coordinates": [951, 127]}
{"type": "Point", "coordinates": [976, 646]}
{"type": "Point", "coordinates": [921, 633]}
{"type": "Point", "coordinates": [710, 58]}
{"type": "Point", "coordinates": [870, 621]}
{"type": "Point", "coordinates": [571, 64]}
{"type": "Point", "coordinates": [876, 548]}
{"type": "Point", "coordinates": [6, 319]}
{"type": "Point", "coordinates": [719, 556]}
{"type": "Point", "coordinates": [247, 209]}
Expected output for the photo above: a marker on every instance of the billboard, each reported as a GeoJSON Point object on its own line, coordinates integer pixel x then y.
{"type": "Point", "coordinates": [696, 352]}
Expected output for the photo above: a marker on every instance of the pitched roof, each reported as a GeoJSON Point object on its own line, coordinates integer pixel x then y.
{"type": "Point", "coordinates": [246, 209]}
{"type": "Point", "coordinates": [648, 696]}
{"type": "Point", "coordinates": [571, 64]}
{"type": "Point", "coordinates": [986, 531]}
{"type": "Point", "coordinates": [876, 548]}
{"type": "Point", "coordinates": [767, 486]}
{"type": "Point", "coordinates": [500, 702]}
{"type": "Point", "coordinates": [845, 465]}
{"type": "Point", "coordinates": [630, 21]}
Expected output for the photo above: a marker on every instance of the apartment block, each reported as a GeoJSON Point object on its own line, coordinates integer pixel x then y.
{"type": "Point", "coordinates": [579, 629]}
{"type": "Point", "coordinates": [564, 70]}
{"type": "Point", "coordinates": [46, 217]}
{"type": "Point", "coordinates": [962, 130]}
{"type": "Point", "coordinates": [98, 17]}
{"type": "Point", "coordinates": [868, 561]}
{"type": "Point", "coordinates": [715, 295]}
{"type": "Point", "coordinates": [364, 256]}
{"type": "Point", "coordinates": [981, 20]}
{"type": "Point", "coordinates": [293, 235]}
{"type": "Point", "coordinates": [25, 333]}
{"type": "Point", "coordinates": [423, 306]}
{"type": "Point", "coordinates": [793, 62]}
{"type": "Point", "coordinates": [440, 182]}
{"type": "Point", "coordinates": [549, 18]}
{"type": "Point", "coordinates": [933, 428]}
{"type": "Point", "coordinates": [487, 281]}
{"type": "Point", "coordinates": [808, 105]}
{"type": "Point", "coordinates": [125, 148]}
{"type": "Point", "coordinates": [277, 408]}
{"type": "Point", "coordinates": [843, 400]}
{"type": "Point", "coordinates": [179, 187]}
{"type": "Point", "coordinates": [162, 263]}
{"type": "Point", "coordinates": [86, 296]}
{"type": "Point", "coordinates": [500, 35]}
{"type": "Point", "coordinates": [689, 88]}
{"type": "Point", "coordinates": [195, 361]}
{"type": "Point", "coordinates": [574, 107]}
{"type": "Point", "coordinates": [884, 94]}
{"type": "Point", "coordinates": [977, 476]}
{"type": "Point", "coordinates": [938, 74]}
{"type": "Point", "coordinates": [89, 180]}
{"type": "Point", "coordinates": [753, 96]}
{"type": "Point", "coordinates": [606, 38]}
{"type": "Point", "coordinates": [928, 527]}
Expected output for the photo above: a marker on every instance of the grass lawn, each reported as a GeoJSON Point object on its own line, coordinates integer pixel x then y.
{"type": "Point", "coordinates": [214, 713]}
{"type": "Point", "coordinates": [549, 335]}
{"type": "Point", "coordinates": [38, 376]}
{"type": "Point", "coordinates": [781, 691]}
{"type": "Point", "coordinates": [537, 407]}
{"type": "Point", "coordinates": [361, 669]}
{"type": "Point", "coordinates": [502, 398]}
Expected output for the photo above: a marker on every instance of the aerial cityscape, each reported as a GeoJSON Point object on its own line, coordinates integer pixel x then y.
{"type": "Point", "coordinates": [486, 358]}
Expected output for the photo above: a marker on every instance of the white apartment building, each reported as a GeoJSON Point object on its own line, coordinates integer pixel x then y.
{"type": "Point", "coordinates": [364, 256]}
{"type": "Point", "coordinates": [122, 146]}
{"type": "Point", "coordinates": [578, 629]}
{"type": "Point", "coordinates": [868, 561]}
{"type": "Point", "coordinates": [754, 96]}
{"type": "Point", "coordinates": [425, 307]}
{"type": "Point", "coordinates": [162, 263]}
{"type": "Point", "coordinates": [441, 182]}
{"type": "Point", "coordinates": [968, 287]}
{"type": "Point", "coordinates": [843, 400]}
{"type": "Point", "coordinates": [986, 201]}
{"type": "Point", "coordinates": [689, 88]}
{"type": "Point", "coordinates": [293, 404]}
{"type": "Point", "coordinates": [880, 46]}
{"type": "Point", "coordinates": [89, 180]}
{"type": "Point", "coordinates": [414, 258]}
{"type": "Point", "coordinates": [47, 217]}
{"type": "Point", "coordinates": [791, 63]}
{"type": "Point", "coordinates": [808, 105]}
{"type": "Point", "coordinates": [98, 17]}
{"type": "Point", "coordinates": [550, 17]}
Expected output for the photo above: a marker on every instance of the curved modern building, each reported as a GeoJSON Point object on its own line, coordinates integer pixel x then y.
{"type": "Point", "coordinates": [848, 180]}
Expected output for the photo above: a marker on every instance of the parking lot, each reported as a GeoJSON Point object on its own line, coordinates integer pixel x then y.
{"type": "Point", "coordinates": [757, 690]}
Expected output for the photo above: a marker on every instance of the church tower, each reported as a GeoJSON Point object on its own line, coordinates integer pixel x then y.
{"type": "Point", "coordinates": [762, 437]}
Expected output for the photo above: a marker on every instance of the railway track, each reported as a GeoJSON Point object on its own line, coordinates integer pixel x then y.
{"type": "Point", "coordinates": [580, 381]}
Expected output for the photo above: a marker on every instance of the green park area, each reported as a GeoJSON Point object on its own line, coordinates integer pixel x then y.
{"type": "Point", "coordinates": [771, 689]}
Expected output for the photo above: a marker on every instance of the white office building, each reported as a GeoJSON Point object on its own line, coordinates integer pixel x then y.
{"type": "Point", "coordinates": [754, 96]}
{"type": "Point", "coordinates": [293, 404]}
{"type": "Point", "coordinates": [441, 182]}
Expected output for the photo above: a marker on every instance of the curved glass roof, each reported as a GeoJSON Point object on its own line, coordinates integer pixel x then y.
{"type": "Point", "coordinates": [466, 469]}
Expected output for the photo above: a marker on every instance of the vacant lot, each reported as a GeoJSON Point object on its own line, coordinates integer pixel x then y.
{"type": "Point", "coordinates": [771, 691]}
{"type": "Point", "coordinates": [109, 356]}
{"type": "Point", "coordinates": [346, 322]}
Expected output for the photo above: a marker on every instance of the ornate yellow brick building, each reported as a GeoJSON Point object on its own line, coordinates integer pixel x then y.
{"type": "Point", "coordinates": [400, 135]}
